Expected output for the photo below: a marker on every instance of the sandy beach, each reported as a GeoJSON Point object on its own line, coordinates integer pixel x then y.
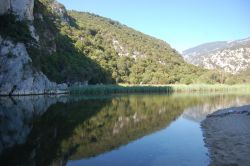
{"type": "Point", "coordinates": [227, 136]}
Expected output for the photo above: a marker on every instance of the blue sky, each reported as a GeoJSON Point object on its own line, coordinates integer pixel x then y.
{"type": "Point", "coordinates": [181, 23]}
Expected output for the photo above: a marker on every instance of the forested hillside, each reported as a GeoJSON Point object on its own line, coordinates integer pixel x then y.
{"type": "Point", "coordinates": [70, 46]}
{"type": "Point", "coordinates": [129, 55]}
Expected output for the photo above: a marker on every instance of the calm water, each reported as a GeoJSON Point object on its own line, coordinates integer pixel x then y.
{"type": "Point", "coordinates": [140, 130]}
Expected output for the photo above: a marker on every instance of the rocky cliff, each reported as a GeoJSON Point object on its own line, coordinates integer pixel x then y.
{"type": "Point", "coordinates": [22, 8]}
{"type": "Point", "coordinates": [5, 6]}
{"type": "Point", "coordinates": [17, 74]}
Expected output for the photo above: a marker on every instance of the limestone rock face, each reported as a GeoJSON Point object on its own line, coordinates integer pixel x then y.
{"type": "Point", "coordinates": [17, 76]}
{"type": "Point", "coordinates": [33, 32]}
{"type": "Point", "coordinates": [60, 10]}
{"type": "Point", "coordinates": [5, 6]}
{"type": "Point", "coordinates": [22, 8]}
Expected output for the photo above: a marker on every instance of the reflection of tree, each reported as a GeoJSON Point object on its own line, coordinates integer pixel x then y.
{"type": "Point", "coordinates": [85, 128]}
{"type": "Point", "coordinates": [43, 145]}
{"type": "Point", "coordinates": [129, 118]}
{"type": "Point", "coordinates": [126, 119]}
{"type": "Point", "coordinates": [90, 127]}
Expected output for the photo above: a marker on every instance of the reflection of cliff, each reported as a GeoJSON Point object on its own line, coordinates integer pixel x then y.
{"type": "Point", "coordinates": [213, 103]}
{"type": "Point", "coordinates": [17, 115]}
{"type": "Point", "coordinates": [55, 123]}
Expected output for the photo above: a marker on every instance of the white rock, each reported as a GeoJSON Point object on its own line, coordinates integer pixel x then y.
{"type": "Point", "coordinates": [33, 33]}
{"type": "Point", "coordinates": [5, 6]}
{"type": "Point", "coordinates": [60, 10]}
{"type": "Point", "coordinates": [22, 8]}
{"type": "Point", "coordinates": [17, 75]}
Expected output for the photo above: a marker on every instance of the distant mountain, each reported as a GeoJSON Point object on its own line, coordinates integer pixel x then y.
{"type": "Point", "coordinates": [230, 56]}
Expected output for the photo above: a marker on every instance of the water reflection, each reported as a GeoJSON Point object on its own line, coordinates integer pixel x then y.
{"type": "Point", "coordinates": [52, 130]}
{"type": "Point", "coordinates": [213, 102]}
{"type": "Point", "coordinates": [17, 115]}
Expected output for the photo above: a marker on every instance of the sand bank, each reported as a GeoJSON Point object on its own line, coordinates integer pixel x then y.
{"type": "Point", "coordinates": [227, 136]}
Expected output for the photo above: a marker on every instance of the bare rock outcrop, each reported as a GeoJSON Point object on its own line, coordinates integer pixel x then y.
{"type": "Point", "coordinates": [4, 7]}
{"type": "Point", "coordinates": [17, 75]}
{"type": "Point", "coordinates": [60, 10]}
{"type": "Point", "coordinates": [22, 8]}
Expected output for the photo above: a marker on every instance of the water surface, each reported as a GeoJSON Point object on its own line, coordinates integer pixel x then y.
{"type": "Point", "coordinates": [120, 130]}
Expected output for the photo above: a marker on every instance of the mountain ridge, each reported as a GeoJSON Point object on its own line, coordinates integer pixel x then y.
{"type": "Point", "coordinates": [229, 56]}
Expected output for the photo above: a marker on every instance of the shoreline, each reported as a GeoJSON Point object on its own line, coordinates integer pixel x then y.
{"type": "Point", "coordinates": [227, 136]}
{"type": "Point", "coordinates": [56, 92]}
{"type": "Point", "coordinates": [129, 89]}
{"type": "Point", "coordinates": [169, 88]}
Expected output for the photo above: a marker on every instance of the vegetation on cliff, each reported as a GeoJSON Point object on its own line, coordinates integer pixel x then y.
{"type": "Point", "coordinates": [78, 47]}
{"type": "Point", "coordinates": [83, 47]}
{"type": "Point", "coordinates": [14, 29]}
